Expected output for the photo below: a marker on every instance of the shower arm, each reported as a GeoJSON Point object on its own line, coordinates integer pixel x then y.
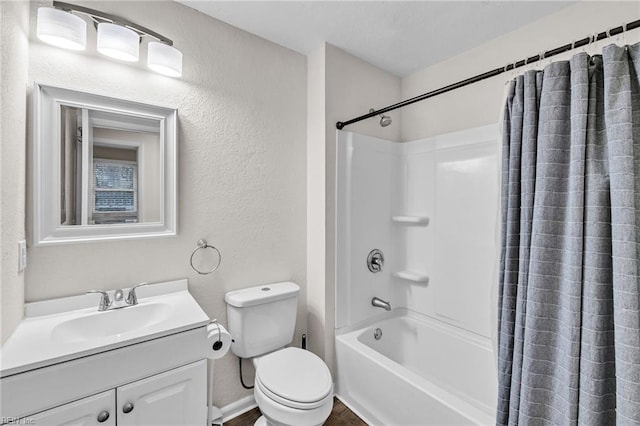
{"type": "Point", "coordinates": [565, 48]}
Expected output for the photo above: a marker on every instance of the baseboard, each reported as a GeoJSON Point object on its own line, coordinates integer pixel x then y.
{"type": "Point", "coordinates": [238, 407]}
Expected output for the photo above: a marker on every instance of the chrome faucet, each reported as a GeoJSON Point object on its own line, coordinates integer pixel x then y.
{"type": "Point", "coordinates": [105, 302]}
{"type": "Point", "coordinates": [379, 303]}
{"type": "Point", "coordinates": [118, 298]}
{"type": "Point", "coordinates": [132, 298]}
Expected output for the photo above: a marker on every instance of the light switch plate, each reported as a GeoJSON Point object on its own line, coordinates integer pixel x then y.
{"type": "Point", "coordinates": [22, 255]}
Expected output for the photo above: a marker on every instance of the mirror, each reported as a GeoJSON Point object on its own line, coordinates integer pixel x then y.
{"type": "Point", "coordinates": [104, 168]}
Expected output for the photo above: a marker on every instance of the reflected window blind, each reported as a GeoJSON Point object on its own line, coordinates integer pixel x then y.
{"type": "Point", "coordinates": [115, 186]}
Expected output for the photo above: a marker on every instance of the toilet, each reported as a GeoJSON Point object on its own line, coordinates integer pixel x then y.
{"type": "Point", "coordinates": [292, 387]}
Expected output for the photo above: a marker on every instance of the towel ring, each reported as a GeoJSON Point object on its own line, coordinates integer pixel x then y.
{"type": "Point", "coordinates": [202, 244]}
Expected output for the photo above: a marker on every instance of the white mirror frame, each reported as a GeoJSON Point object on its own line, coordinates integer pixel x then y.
{"type": "Point", "coordinates": [45, 209]}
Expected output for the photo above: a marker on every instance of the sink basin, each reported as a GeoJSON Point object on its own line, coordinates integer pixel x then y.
{"type": "Point", "coordinates": [111, 323]}
{"type": "Point", "coordinates": [59, 330]}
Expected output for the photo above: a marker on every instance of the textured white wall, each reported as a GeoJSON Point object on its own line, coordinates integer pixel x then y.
{"type": "Point", "coordinates": [480, 103]}
{"type": "Point", "coordinates": [242, 170]}
{"type": "Point", "coordinates": [341, 87]}
{"type": "Point", "coordinates": [14, 47]}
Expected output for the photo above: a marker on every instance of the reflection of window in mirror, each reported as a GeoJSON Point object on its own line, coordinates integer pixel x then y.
{"type": "Point", "coordinates": [71, 146]}
{"type": "Point", "coordinates": [110, 168]}
{"type": "Point", "coordinates": [115, 186]}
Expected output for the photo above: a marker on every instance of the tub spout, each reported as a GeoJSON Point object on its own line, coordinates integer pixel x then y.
{"type": "Point", "coordinates": [379, 303]}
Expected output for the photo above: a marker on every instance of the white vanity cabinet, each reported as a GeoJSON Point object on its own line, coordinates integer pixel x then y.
{"type": "Point", "coordinates": [164, 379]}
{"type": "Point", "coordinates": [91, 411]}
{"type": "Point", "coordinates": [143, 364]}
{"type": "Point", "coordinates": [176, 397]}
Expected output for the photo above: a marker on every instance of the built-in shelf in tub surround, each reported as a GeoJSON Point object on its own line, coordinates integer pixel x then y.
{"type": "Point", "coordinates": [411, 220]}
{"type": "Point", "coordinates": [415, 277]}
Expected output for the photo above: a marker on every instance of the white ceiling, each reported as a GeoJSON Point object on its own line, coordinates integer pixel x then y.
{"type": "Point", "coordinates": [398, 36]}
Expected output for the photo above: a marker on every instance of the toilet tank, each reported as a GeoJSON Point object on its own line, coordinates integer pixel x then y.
{"type": "Point", "coordinates": [262, 319]}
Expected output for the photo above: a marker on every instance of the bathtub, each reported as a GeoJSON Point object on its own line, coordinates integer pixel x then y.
{"type": "Point", "coordinates": [420, 372]}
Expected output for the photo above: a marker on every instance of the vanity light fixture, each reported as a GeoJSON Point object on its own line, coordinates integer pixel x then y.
{"type": "Point", "coordinates": [117, 37]}
{"type": "Point", "coordinates": [118, 42]}
{"type": "Point", "coordinates": [61, 29]}
{"type": "Point", "coordinates": [164, 59]}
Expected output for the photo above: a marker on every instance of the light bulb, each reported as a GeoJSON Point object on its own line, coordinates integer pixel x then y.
{"type": "Point", "coordinates": [118, 42]}
{"type": "Point", "coordinates": [164, 59]}
{"type": "Point", "coordinates": [61, 29]}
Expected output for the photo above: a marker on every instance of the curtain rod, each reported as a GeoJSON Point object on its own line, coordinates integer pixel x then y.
{"type": "Point", "coordinates": [583, 42]}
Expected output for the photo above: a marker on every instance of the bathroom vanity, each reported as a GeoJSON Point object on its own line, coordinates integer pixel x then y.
{"type": "Point", "coordinates": [67, 362]}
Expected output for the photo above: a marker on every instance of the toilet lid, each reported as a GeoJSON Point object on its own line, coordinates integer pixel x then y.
{"type": "Point", "coordinates": [295, 374]}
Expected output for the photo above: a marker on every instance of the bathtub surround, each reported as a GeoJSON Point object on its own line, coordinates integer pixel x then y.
{"type": "Point", "coordinates": [14, 48]}
{"type": "Point", "coordinates": [425, 205]}
{"type": "Point", "coordinates": [570, 267]}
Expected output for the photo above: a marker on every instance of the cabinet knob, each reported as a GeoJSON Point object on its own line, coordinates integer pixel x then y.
{"type": "Point", "coordinates": [128, 407]}
{"type": "Point", "coordinates": [103, 416]}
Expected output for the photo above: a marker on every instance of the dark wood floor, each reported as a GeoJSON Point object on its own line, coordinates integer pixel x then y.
{"type": "Point", "coordinates": [340, 416]}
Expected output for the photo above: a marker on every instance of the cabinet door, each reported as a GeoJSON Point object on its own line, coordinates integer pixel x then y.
{"type": "Point", "coordinates": [175, 398]}
{"type": "Point", "coordinates": [96, 410]}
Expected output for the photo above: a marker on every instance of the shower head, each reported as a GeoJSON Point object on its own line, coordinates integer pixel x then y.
{"type": "Point", "coordinates": [385, 120]}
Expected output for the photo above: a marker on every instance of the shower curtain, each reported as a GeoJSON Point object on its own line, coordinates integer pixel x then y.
{"type": "Point", "coordinates": [569, 296]}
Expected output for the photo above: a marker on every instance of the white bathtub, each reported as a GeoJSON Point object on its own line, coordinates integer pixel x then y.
{"type": "Point", "coordinates": [420, 372]}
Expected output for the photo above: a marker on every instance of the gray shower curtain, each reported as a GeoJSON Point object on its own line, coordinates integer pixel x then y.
{"type": "Point", "coordinates": [569, 307]}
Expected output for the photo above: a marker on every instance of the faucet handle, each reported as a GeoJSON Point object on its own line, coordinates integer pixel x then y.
{"type": "Point", "coordinates": [118, 295]}
{"type": "Point", "coordinates": [132, 298]}
{"type": "Point", "coordinates": [375, 260]}
{"type": "Point", "coordinates": [105, 302]}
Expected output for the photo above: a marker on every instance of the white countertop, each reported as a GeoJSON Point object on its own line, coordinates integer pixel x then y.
{"type": "Point", "coordinates": [33, 343]}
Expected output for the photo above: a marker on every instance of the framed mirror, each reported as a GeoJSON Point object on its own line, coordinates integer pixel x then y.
{"type": "Point", "coordinates": [103, 168]}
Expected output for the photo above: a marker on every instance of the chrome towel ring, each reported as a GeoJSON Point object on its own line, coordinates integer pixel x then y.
{"type": "Point", "coordinates": [202, 244]}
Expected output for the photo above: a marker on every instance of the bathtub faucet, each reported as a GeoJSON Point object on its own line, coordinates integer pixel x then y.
{"type": "Point", "coordinates": [379, 303]}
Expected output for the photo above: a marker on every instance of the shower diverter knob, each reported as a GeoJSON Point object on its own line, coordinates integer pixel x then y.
{"type": "Point", "coordinates": [375, 260]}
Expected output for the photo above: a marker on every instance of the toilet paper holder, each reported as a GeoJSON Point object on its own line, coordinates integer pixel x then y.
{"type": "Point", "coordinates": [219, 348]}
{"type": "Point", "coordinates": [217, 345]}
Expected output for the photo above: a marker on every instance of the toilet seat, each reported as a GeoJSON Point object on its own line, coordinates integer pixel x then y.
{"type": "Point", "coordinates": [261, 388]}
{"type": "Point", "coordinates": [295, 378]}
